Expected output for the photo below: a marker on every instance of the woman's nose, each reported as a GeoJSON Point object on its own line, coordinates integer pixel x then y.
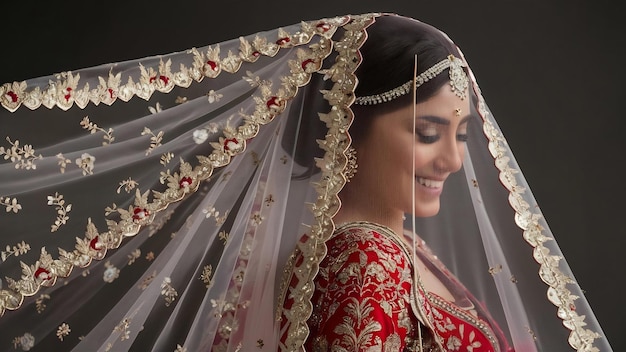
{"type": "Point", "coordinates": [451, 157]}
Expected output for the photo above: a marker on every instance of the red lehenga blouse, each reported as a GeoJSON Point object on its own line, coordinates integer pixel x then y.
{"type": "Point", "coordinates": [366, 299]}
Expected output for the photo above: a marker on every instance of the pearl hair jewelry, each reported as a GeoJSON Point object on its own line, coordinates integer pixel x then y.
{"type": "Point", "coordinates": [458, 82]}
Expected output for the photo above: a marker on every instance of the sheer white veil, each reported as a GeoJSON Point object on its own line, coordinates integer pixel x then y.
{"type": "Point", "coordinates": [159, 210]}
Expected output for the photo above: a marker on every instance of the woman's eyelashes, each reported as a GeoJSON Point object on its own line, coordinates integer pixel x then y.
{"type": "Point", "coordinates": [427, 134]}
{"type": "Point", "coordinates": [461, 137]}
{"type": "Point", "coordinates": [431, 135]}
{"type": "Point", "coordinates": [427, 138]}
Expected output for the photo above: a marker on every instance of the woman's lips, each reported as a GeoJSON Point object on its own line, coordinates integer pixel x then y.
{"type": "Point", "coordinates": [430, 183]}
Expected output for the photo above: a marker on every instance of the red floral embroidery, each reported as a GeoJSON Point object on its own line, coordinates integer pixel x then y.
{"type": "Point", "coordinates": [164, 79]}
{"type": "Point", "coordinates": [283, 41]}
{"type": "Point", "coordinates": [12, 96]}
{"type": "Point", "coordinates": [363, 290]}
{"type": "Point", "coordinates": [186, 181]}
{"type": "Point", "coordinates": [95, 244]}
{"type": "Point", "coordinates": [42, 274]}
{"type": "Point", "coordinates": [68, 95]}
{"type": "Point", "coordinates": [306, 62]}
{"type": "Point", "coordinates": [456, 332]}
{"type": "Point", "coordinates": [274, 103]}
{"type": "Point", "coordinates": [212, 65]}
{"type": "Point", "coordinates": [354, 298]}
{"type": "Point", "coordinates": [111, 93]}
{"type": "Point", "coordinates": [322, 27]}
{"type": "Point", "coordinates": [231, 144]}
{"type": "Point", "coordinates": [140, 213]}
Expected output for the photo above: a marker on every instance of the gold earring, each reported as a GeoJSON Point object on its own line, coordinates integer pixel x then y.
{"type": "Point", "coordinates": [351, 166]}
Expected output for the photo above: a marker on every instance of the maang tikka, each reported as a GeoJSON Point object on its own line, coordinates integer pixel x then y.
{"type": "Point", "coordinates": [458, 82]}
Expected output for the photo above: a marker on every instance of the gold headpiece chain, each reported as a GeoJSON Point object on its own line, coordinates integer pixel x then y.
{"type": "Point", "coordinates": [458, 82]}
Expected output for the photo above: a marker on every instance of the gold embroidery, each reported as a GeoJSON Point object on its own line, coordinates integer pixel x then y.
{"type": "Point", "coordinates": [155, 139]}
{"type": "Point", "coordinates": [86, 163]}
{"type": "Point", "coordinates": [133, 256]}
{"type": "Point", "coordinates": [207, 272]}
{"type": "Point", "coordinates": [531, 332]}
{"type": "Point", "coordinates": [111, 273]}
{"type": "Point", "coordinates": [166, 158]}
{"type": "Point", "coordinates": [168, 292]}
{"type": "Point", "coordinates": [140, 213]}
{"type": "Point", "coordinates": [180, 348]}
{"type": "Point", "coordinates": [223, 235]}
{"type": "Point", "coordinates": [40, 302]}
{"type": "Point", "coordinates": [550, 273]}
{"type": "Point", "coordinates": [62, 210]}
{"type": "Point", "coordinates": [13, 94]}
{"type": "Point", "coordinates": [123, 328]}
{"type": "Point", "coordinates": [213, 96]}
{"type": "Point", "coordinates": [63, 162]}
{"type": "Point", "coordinates": [18, 249]}
{"type": "Point", "coordinates": [156, 109]}
{"type": "Point", "coordinates": [200, 136]}
{"type": "Point", "coordinates": [376, 285]}
{"type": "Point", "coordinates": [164, 175]}
{"type": "Point", "coordinates": [337, 140]}
{"type": "Point", "coordinates": [211, 212]}
{"type": "Point", "coordinates": [148, 280]}
{"type": "Point", "coordinates": [93, 128]}
{"type": "Point", "coordinates": [107, 89]}
{"type": "Point", "coordinates": [26, 341]}
{"type": "Point", "coordinates": [257, 219]}
{"type": "Point", "coordinates": [11, 204]}
{"type": "Point", "coordinates": [24, 157]}
{"type": "Point", "coordinates": [128, 184]}
{"type": "Point", "coordinates": [64, 93]}
{"type": "Point", "coordinates": [63, 331]}
{"type": "Point", "coordinates": [463, 315]}
{"type": "Point", "coordinates": [255, 81]}
{"type": "Point", "coordinates": [496, 269]}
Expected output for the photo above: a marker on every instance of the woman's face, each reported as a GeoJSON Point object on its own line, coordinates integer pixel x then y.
{"type": "Point", "coordinates": [385, 158]}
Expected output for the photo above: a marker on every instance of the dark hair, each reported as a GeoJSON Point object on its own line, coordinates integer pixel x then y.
{"type": "Point", "coordinates": [389, 62]}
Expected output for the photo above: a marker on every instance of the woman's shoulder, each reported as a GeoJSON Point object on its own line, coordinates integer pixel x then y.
{"type": "Point", "coordinates": [369, 249]}
{"type": "Point", "coordinates": [365, 236]}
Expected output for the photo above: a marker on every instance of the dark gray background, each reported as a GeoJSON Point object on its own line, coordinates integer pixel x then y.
{"type": "Point", "coordinates": [551, 72]}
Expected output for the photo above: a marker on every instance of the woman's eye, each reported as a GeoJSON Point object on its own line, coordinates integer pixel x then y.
{"type": "Point", "coordinates": [461, 137]}
{"type": "Point", "coordinates": [427, 138]}
{"type": "Point", "coordinates": [427, 133]}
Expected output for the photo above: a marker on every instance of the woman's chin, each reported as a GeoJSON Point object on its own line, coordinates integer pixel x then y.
{"type": "Point", "coordinates": [425, 210]}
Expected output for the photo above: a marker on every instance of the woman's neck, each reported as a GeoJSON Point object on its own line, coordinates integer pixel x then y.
{"type": "Point", "coordinates": [367, 212]}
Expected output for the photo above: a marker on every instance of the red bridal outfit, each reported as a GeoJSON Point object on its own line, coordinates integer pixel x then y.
{"type": "Point", "coordinates": [366, 298]}
{"type": "Point", "coordinates": [186, 202]}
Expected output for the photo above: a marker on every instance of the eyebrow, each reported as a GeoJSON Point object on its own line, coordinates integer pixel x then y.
{"type": "Point", "coordinates": [442, 121]}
